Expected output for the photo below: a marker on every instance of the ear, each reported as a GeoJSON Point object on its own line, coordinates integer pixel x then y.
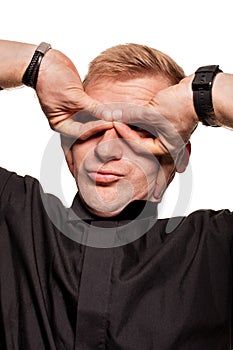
{"type": "Point", "coordinates": [184, 159]}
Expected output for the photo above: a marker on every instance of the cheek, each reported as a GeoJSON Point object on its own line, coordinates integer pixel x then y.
{"type": "Point", "coordinates": [80, 152]}
{"type": "Point", "coordinates": [144, 176]}
{"type": "Point", "coordinates": [146, 166]}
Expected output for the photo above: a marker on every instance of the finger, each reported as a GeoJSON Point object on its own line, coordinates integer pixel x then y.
{"type": "Point", "coordinates": [85, 109]}
{"type": "Point", "coordinates": [151, 145]}
{"type": "Point", "coordinates": [94, 111]}
{"type": "Point", "coordinates": [81, 131]}
{"type": "Point", "coordinates": [93, 128]}
{"type": "Point", "coordinates": [158, 125]}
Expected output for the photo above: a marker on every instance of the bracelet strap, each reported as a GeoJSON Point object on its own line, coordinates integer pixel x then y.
{"type": "Point", "coordinates": [31, 74]}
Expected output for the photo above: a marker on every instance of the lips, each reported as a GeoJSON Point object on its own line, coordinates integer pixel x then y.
{"type": "Point", "coordinates": [105, 176]}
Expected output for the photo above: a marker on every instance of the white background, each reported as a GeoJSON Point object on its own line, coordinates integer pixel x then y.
{"type": "Point", "coordinates": [193, 33]}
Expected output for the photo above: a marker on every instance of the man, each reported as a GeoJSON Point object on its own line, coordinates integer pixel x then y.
{"type": "Point", "coordinates": [105, 274]}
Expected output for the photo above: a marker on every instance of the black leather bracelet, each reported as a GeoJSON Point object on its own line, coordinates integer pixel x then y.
{"type": "Point", "coordinates": [202, 94]}
{"type": "Point", "coordinates": [31, 74]}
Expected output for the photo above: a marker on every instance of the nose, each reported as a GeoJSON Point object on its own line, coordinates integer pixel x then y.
{"type": "Point", "coordinates": [109, 146]}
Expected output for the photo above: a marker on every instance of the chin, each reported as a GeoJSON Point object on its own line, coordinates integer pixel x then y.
{"type": "Point", "coordinates": [109, 201]}
{"type": "Point", "coordinates": [104, 209]}
{"type": "Point", "coordinates": [105, 205]}
{"type": "Point", "coordinates": [104, 214]}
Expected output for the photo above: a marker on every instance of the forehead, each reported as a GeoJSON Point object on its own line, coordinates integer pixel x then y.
{"type": "Point", "coordinates": [138, 90]}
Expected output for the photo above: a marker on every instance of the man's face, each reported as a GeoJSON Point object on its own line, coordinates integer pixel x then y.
{"type": "Point", "coordinates": [111, 171]}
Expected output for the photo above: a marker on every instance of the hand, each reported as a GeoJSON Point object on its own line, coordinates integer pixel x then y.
{"type": "Point", "coordinates": [175, 104]}
{"type": "Point", "coordinates": [174, 107]}
{"type": "Point", "coordinates": [85, 130]}
{"type": "Point", "coordinates": [143, 141]}
{"type": "Point", "coordinates": [171, 119]}
{"type": "Point", "coordinates": [61, 94]}
{"type": "Point", "coordinates": [169, 116]}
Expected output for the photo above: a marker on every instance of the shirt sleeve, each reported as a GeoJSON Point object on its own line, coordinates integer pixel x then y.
{"type": "Point", "coordinates": [16, 191]}
{"type": "Point", "coordinates": [4, 177]}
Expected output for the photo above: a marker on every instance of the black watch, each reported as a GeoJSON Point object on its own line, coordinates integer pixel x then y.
{"type": "Point", "coordinates": [202, 94]}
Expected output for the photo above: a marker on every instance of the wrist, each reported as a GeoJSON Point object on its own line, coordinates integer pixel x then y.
{"type": "Point", "coordinates": [49, 72]}
{"type": "Point", "coordinates": [218, 92]}
{"type": "Point", "coordinates": [47, 64]}
{"type": "Point", "coordinates": [188, 96]}
{"type": "Point", "coordinates": [52, 69]}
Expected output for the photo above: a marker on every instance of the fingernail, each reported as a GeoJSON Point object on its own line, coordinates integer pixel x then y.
{"type": "Point", "coordinates": [117, 115]}
{"type": "Point", "coordinates": [107, 115]}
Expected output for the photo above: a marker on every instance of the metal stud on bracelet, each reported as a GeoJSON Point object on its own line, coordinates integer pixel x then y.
{"type": "Point", "coordinates": [31, 74]}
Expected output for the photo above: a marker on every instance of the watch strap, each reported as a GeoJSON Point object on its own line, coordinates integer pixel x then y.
{"type": "Point", "coordinates": [202, 93]}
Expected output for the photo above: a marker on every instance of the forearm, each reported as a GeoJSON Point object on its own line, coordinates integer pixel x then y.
{"type": "Point", "coordinates": [14, 59]}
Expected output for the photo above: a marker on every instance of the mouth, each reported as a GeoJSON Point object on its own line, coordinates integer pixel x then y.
{"type": "Point", "coordinates": [104, 176]}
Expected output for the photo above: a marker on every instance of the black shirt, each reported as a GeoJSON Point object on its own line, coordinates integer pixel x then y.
{"type": "Point", "coordinates": [163, 291]}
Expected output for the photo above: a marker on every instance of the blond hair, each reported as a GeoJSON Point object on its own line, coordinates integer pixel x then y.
{"type": "Point", "coordinates": [128, 61]}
